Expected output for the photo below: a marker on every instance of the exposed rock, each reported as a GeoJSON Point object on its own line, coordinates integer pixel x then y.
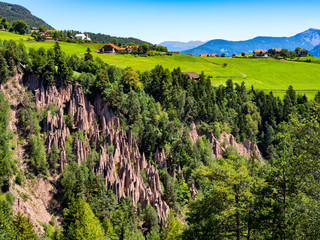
{"type": "Point", "coordinates": [120, 160]}
{"type": "Point", "coordinates": [246, 148]}
{"type": "Point", "coordinates": [35, 202]}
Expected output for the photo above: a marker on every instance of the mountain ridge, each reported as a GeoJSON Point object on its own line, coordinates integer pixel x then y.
{"type": "Point", "coordinates": [14, 12]}
{"type": "Point", "coordinates": [180, 46]}
{"type": "Point", "coordinates": [307, 39]}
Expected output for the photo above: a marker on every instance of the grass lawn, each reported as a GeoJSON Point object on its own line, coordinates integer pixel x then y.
{"type": "Point", "coordinates": [309, 94]}
{"type": "Point", "coordinates": [264, 74]}
{"type": "Point", "coordinates": [7, 35]}
{"type": "Point", "coordinates": [313, 59]}
{"type": "Point", "coordinates": [267, 74]}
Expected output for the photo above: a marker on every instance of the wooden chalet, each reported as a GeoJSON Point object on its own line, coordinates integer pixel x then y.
{"type": "Point", "coordinates": [204, 55]}
{"type": "Point", "coordinates": [111, 48]}
{"type": "Point", "coordinates": [46, 34]}
{"type": "Point", "coordinates": [131, 48]}
{"type": "Point", "coordinates": [192, 75]}
{"type": "Point", "coordinates": [303, 53]}
{"type": "Point", "coordinates": [258, 53]}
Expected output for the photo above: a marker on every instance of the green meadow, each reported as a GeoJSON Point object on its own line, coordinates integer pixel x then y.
{"type": "Point", "coordinates": [265, 74]}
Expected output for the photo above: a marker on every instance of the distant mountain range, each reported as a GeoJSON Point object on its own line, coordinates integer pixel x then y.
{"type": "Point", "coordinates": [308, 39]}
{"type": "Point", "coordinates": [14, 12]}
{"type": "Point", "coordinates": [180, 46]}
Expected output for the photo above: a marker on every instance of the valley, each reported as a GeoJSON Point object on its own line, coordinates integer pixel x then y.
{"type": "Point", "coordinates": [117, 138]}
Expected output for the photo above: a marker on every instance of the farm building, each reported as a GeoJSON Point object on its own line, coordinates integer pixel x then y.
{"type": "Point", "coordinates": [204, 55]}
{"type": "Point", "coordinates": [82, 37]}
{"type": "Point", "coordinates": [131, 48]}
{"type": "Point", "coordinates": [303, 53]}
{"type": "Point", "coordinates": [260, 53]}
{"type": "Point", "coordinates": [213, 55]}
{"type": "Point", "coordinates": [192, 75]}
{"type": "Point", "coordinates": [111, 48]}
{"type": "Point", "coordinates": [46, 34]}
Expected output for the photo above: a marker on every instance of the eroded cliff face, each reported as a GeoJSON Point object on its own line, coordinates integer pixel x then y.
{"type": "Point", "coordinates": [120, 159]}
{"type": "Point", "coordinates": [120, 166]}
{"type": "Point", "coordinates": [246, 148]}
{"type": "Point", "coordinates": [219, 146]}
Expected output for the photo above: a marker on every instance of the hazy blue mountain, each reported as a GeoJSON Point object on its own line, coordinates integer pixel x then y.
{"type": "Point", "coordinates": [307, 39]}
{"type": "Point", "coordinates": [180, 46]}
{"type": "Point", "coordinates": [315, 51]}
{"type": "Point", "coordinates": [14, 12]}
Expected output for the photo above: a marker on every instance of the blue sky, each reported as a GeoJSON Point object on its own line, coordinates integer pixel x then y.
{"type": "Point", "coordinates": [177, 20]}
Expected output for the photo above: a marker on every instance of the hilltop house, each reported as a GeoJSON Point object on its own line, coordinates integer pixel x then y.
{"type": "Point", "coordinates": [258, 53]}
{"type": "Point", "coordinates": [131, 48]}
{"type": "Point", "coordinates": [192, 75]}
{"type": "Point", "coordinates": [111, 48]}
{"type": "Point", "coordinates": [82, 37]}
{"type": "Point", "coordinates": [213, 55]}
{"type": "Point", "coordinates": [303, 53]}
{"type": "Point", "coordinates": [45, 34]}
{"type": "Point", "coordinates": [204, 55]}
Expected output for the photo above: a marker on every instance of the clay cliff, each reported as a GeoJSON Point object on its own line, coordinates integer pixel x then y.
{"type": "Point", "coordinates": [121, 165]}
{"type": "Point", "coordinates": [120, 159]}
{"type": "Point", "coordinates": [219, 146]}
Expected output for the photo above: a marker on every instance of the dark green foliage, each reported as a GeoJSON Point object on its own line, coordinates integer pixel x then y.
{"type": "Point", "coordinates": [24, 228]}
{"type": "Point", "coordinates": [173, 229]}
{"type": "Point", "coordinates": [64, 72]}
{"type": "Point", "coordinates": [53, 158]}
{"type": "Point", "coordinates": [6, 162]}
{"type": "Point", "coordinates": [88, 56]}
{"type": "Point", "coordinates": [7, 229]}
{"type": "Point", "coordinates": [150, 218]}
{"type": "Point", "coordinates": [131, 80]}
{"type": "Point", "coordinates": [30, 129]}
{"type": "Point", "coordinates": [37, 154]}
{"type": "Point", "coordinates": [4, 71]}
{"type": "Point", "coordinates": [227, 197]}
{"type": "Point", "coordinates": [125, 221]}
{"type": "Point", "coordinates": [20, 26]}
{"type": "Point", "coordinates": [73, 182]}
{"type": "Point", "coordinates": [48, 72]}
{"type": "Point", "coordinates": [80, 222]}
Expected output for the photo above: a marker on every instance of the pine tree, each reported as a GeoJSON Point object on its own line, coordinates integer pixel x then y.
{"type": "Point", "coordinates": [80, 223]}
{"type": "Point", "coordinates": [24, 228]}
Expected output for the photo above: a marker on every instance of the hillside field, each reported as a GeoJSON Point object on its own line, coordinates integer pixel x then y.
{"type": "Point", "coordinates": [265, 74]}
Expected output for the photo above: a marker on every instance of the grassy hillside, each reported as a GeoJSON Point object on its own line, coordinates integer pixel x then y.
{"type": "Point", "coordinates": [267, 74]}
{"type": "Point", "coordinates": [14, 12]}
